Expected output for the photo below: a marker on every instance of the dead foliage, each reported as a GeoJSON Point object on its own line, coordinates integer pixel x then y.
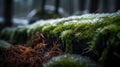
{"type": "Point", "coordinates": [24, 56]}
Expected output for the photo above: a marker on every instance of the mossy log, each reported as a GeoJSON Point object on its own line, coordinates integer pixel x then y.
{"type": "Point", "coordinates": [98, 33]}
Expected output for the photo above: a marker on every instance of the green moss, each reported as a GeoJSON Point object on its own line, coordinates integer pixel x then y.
{"type": "Point", "coordinates": [6, 33]}
{"type": "Point", "coordinates": [33, 29]}
{"type": "Point", "coordinates": [57, 31]}
{"type": "Point", "coordinates": [108, 32]}
{"type": "Point", "coordinates": [4, 44]}
{"type": "Point", "coordinates": [65, 62]}
{"type": "Point", "coordinates": [71, 61]}
{"type": "Point", "coordinates": [67, 34]}
{"type": "Point", "coordinates": [85, 31]}
{"type": "Point", "coordinates": [60, 28]}
{"type": "Point", "coordinates": [110, 28]}
{"type": "Point", "coordinates": [69, 25]}
{"type": "Point", "coordinates": [105, 42]}
{"type": "Point", "coordinates": [19, 31]}
{"type": "Point", "coordinates": [79, 35]}
{"type": "Point", "coordinates": [82, 27]}
{"type": "Point", "coordinates": [47, 30]}
{"type": "Point", "coordinates": [118, 35]}
{"type": "Point", "coordinates": [103, 56]}
{"type": "Point", "coordinates": [66, 37]}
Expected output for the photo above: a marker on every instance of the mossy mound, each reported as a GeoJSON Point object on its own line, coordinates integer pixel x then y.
{"type": "Point", "coordinates": [71, 61]}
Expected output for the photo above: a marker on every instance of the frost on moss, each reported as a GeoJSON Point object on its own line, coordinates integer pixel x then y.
{"type": "Point", "coordinates": [100, 20]}
{"type": "Point", "coordinates": [71, 61]}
